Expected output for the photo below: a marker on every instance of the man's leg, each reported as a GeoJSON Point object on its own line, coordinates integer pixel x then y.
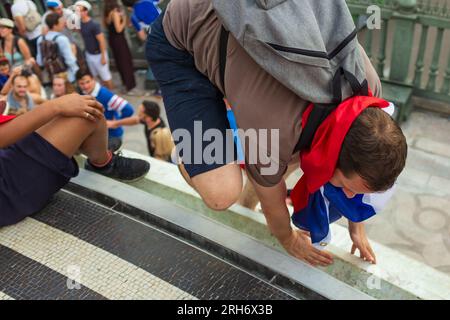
{"type": "Point", "coordinates": [192, 101]}
{"type": "Point", "coordinates": [91, 138]}
{"type": "Point", "coordinates": [79, 134]}
{"type": "Point", "coordinates": [219, 188]}
{"type": "Point", "coordinates": [249, 198]}
{"type": "Point", "coordinates": [105, 74]}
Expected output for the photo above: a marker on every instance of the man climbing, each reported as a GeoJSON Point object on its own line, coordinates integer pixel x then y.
{"type": "Point", "coordinates": [270, 69]}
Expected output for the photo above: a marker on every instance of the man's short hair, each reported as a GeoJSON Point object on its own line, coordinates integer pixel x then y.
{"type": "Point", "coordinates": [129, 3]}
{"type": "Point", "coordinates": [375, 149]}
{"type": "Point", "coordinates": [151, 109]}
{"type": "Point", "coordinates": [81, 73]}
{"type": "Point", "coordinates": [52, 20]}
{"type": "Point", "coordinates": [17, 76]}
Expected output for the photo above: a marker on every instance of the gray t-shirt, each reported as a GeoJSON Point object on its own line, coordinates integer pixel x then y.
{"type": "Point", "coordinates": [89, 31]}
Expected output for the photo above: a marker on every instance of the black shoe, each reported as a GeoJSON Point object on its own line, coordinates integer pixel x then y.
{"type": "Point", "coordinates": [121, 168]}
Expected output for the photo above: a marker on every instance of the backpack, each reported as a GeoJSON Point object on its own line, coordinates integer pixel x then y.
{"type": "Point", "coordinates": [32, 19]}
{"type": "Point", "coordinates": [307, 45]}
{"type": "Point", "coordinates": [53, 62]}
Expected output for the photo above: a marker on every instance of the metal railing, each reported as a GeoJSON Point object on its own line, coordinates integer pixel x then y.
{"type": "Point", "coordinates": [412, 48]}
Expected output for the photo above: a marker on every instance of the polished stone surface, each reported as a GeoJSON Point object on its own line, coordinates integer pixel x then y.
{"type": "Point", "coordinates": [112, 256]}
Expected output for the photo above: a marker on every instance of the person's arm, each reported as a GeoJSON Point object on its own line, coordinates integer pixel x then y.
{"type": "Point", "coordinates": [296, 242]}
{"type": "Point", "coordinates": [24, 50]}
{"type": "Point", "coordinates": [102, 42]}
{"type": "Point", "coordinates": [65, 49]}
{"type": "Point", "coordinates": [8, 85]}
{"type": "Point", "coordinates": [37, 99]}
{"type": "Point", "coordinates": [137, 26]}
{"type": "Point", "coordinates": [130, 121]}
{"type": "Point", "coordinates": [125, 111]}
{"type": "Point", "coordinates": [20, 24]}
{"type": "Point", "coordinates": [119, 21]}
{"type": "Point", "coordinates": [361, 242]}
{"type": "Point", "coordinates": [72, 105]}
{"type": "Point", "coordinates": [39, 60]}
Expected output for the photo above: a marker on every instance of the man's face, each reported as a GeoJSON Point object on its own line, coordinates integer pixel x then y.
{"type": "Point", "coordinates": [58, 10]}
{"type": "Point", "coordinates": [86, 84]}
{"type": "Point", "coordinates": [4, 69]}
{"type": "Point", "coordinates": [20, 87]}
{"type": "Point", "coordinates": [83, 12]}
{"type": "Point", "coordinates": [60, 26]}
{"type": "Point", "coordinates": [59, 87]}
{"type": "Point", "coordinates": [350, 186]}
{"type": "Point", "coordinates": [141, 114]}
{"type": "Point", "coordinates": [4, 32]}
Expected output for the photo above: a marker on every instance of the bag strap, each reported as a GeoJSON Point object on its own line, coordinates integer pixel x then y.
{"type": "Point", "coordinates": [223, 46]}
{"type": "Point", "coordinates": [321, 111]}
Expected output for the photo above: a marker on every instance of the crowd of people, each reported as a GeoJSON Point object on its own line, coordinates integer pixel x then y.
{"type": "Point", "coordinates": [41, 59]}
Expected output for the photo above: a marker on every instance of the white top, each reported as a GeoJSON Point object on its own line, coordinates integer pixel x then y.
{"type": "Point", "coordinates": [19, 9]}
{"type": "Point", "coordinates": [67, 14]}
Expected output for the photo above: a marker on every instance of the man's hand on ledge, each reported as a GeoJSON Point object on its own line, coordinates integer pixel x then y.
{"type": "Point", "coordinates": [299, 245]}
{"type": "Point", "coordinates": [360, 242]}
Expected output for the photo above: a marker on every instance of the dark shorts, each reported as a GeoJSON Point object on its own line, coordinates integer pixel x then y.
{"type": "Point", "coordinates": [189, 96]}
{"type": "Point", "coordinates": [31, 172]}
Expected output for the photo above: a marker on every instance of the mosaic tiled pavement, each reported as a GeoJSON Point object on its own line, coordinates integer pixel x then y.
{"type": "Point", "coordinates": [76, 249]}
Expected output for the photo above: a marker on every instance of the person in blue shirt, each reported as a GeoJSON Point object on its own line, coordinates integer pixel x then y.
{"type": "Point", "coordinates": [116, 108]}
{"type": "Point", "coordinates": [144, 12]}
{"type": "Point", "coordinates": [5, 70]}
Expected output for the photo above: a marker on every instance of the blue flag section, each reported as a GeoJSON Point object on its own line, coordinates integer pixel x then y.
{"type": "Point", "coordinates": [329, 204]}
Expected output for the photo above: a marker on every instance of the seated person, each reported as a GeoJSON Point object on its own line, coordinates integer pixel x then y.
{"type": "Point", "coordinates": [36, 160]}
{"type": "Point", "coordinates": [116, 108]}
{"type": "Point", "coordinates": [35, 88]}
{"type": "Point", "coordinates": [61, 86]}
{"type": "Point", "coordinates": [162, 144]}
{"type": "Point", "coordinates": [18, 99]}
{"type": "Point", "coordinates": [5, 70]}
{"type": "Point", "coordinates": [149, 116]}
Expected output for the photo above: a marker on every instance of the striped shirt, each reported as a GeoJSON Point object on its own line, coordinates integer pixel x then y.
{"type": "Point", "coordinates": [116, 108]}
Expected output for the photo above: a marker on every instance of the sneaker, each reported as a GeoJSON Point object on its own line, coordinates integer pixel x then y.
{"type": "Point", "coordinates": [114, 144]}
{"type": "Point", "coordinates": [122, 168]}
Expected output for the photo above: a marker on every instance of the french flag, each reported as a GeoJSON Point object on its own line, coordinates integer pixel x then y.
{"type": "Point", "coordinates": [329, 204]}
{"type": "Point", "coordinates": [317, 203]}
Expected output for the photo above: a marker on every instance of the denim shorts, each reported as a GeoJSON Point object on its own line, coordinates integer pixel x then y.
{"type": "Point", "coordinates": [190, 99]}
{"type": "Point", "coordinates": [31, 172]}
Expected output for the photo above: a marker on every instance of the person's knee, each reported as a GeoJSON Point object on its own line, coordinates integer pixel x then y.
{"type": "Point", "coordinates": [221, 198]}
{"type": "Point", "coordinates": [220, 188]}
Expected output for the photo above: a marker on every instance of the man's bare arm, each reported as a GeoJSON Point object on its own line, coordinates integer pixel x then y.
{"type": "Point", "coordinates": [102, 42]}
{"type": "Point", "coordinates": [20, 24]}
{"type": "Point", "coordinates": [296, 242]}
